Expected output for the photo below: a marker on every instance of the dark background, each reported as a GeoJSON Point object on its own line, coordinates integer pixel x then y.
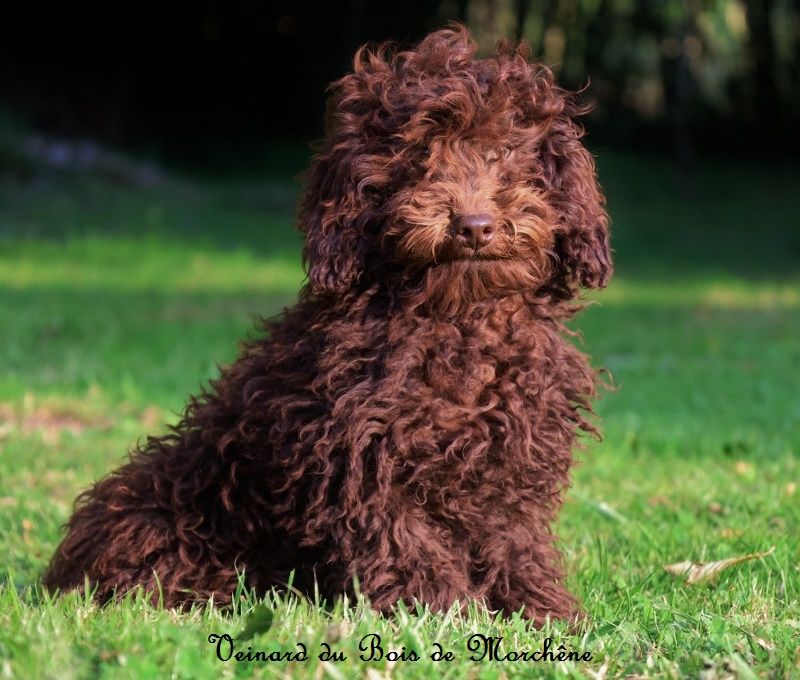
{"type": "Point", "coordinates": [220, 87]}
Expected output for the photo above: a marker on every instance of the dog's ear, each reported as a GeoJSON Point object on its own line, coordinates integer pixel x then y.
{"type": "Point", "coordinates": [328, 216]}
{"type": "Point", "coordinates": [582, 237]}
{"type": "Point", "coordinates": [337, 208]}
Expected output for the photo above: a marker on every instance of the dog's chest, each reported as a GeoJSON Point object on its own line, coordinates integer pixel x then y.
{"type": "Point", "coordinates": [448, 385]}
{"type": "Point", "coordinates": [471, 364]}
{"type": "Point", "coordinates": [430, 404]}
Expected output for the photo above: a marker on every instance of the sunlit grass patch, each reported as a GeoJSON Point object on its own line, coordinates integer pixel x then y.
{"type": "Point", "coordinates": [714, 292]}
{"type": "Point", "coordinates": [148, 263]}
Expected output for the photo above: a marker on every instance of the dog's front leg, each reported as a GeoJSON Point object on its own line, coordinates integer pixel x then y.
{"type": "Point", "coordinates": [405, 556]}
{"type": "Point", "coordinates": [127, 532]}
{"type": "Point", "coordinates": [527, 576]}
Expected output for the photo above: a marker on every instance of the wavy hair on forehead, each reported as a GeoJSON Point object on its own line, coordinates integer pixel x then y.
{"type": "Point", "coordinates": [412, 88]}
{"type": "Point", "coordinates": [396, 106]}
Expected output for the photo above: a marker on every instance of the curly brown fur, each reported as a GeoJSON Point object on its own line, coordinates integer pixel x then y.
{"type": "Point", "coordinates": [410, 422]}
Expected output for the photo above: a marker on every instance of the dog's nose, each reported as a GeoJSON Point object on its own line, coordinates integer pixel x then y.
{"type": "Point", "coordinates": [473, 231]}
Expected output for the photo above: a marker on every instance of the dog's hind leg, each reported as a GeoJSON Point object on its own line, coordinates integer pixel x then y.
{"type": "Point", "coordinates": [125, 534]}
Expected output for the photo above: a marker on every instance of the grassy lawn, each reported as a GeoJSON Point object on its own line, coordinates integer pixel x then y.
{"type": "Point", "coordinates": [116, 303]}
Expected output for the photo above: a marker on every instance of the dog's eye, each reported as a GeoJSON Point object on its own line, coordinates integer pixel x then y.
{"type": "Point", "coordinates": [506, 151]}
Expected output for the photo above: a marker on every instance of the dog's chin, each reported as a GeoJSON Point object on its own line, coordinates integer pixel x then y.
{"type": "Point", "coordinates": [448, 288]}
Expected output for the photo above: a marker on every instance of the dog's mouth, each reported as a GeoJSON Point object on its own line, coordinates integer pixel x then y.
{"type": "Point", "coordinates": [475, 258]}
{"type": "Point", "coordinates": [501, 252]}
{"type": "Point", "coordinates": [479, 257]}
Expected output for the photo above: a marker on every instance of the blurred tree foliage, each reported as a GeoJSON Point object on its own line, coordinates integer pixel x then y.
{"type": "Point", "coordinates": [214, 82]}
{"type": "Point", "coordinates": [711, 70]}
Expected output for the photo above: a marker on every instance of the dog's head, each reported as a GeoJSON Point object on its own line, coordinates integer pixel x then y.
{"type": "Point", "coordinates": [453, 175]}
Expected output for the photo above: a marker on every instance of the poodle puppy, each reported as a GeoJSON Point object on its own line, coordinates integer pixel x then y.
{"type": "Point", "coordinates": [409, 424]}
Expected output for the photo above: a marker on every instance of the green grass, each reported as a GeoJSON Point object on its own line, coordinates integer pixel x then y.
{"type": "Point", "coordinates": [116, 303]}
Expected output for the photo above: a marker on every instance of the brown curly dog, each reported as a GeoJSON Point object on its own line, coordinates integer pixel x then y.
{"type": "Point", "coordinates": [410, 421]}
